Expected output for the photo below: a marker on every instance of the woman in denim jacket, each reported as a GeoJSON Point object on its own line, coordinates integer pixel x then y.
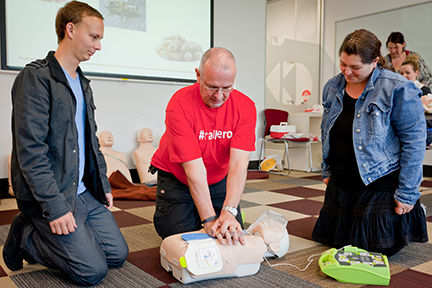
{"type": "Point", "coordinates": [373, 137]}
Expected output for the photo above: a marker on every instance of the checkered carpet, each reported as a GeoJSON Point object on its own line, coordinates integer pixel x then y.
{"type": "Point", "coordinates": [298, 197]}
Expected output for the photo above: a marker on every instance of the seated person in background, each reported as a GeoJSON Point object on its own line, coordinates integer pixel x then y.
{"type": "Point", "coordinates": [396, 46]}
{"type": "Point", "coordinates": [410, 70]}
{"type": "Point", "coordinates": [142, 157]}
{"type": "Point", "coordinates": [114, 160]}
{"type": "Point", "coordinates": [204, 153]}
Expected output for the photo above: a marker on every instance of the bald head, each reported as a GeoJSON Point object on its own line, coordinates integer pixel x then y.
{"type": "Point", "coordinates": [219, 58]}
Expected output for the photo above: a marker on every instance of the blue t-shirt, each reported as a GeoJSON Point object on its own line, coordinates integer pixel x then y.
{"type": "Point", "coordinates": [80, 117]}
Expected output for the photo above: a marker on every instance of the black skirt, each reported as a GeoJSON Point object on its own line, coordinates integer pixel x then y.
{"type": "Point", "coordinates": [367, 219]}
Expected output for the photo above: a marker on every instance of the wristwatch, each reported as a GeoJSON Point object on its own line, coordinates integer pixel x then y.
{"type": "Point", "coordinates": [230, 209]}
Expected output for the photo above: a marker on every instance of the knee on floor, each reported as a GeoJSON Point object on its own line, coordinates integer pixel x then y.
{"type": "Point", "coordinates": [91, 276]}
{"type": "Point", "coordinates": [119, 257]}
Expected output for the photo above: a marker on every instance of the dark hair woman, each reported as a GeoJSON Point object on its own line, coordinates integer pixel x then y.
{"type": "Point", "coordinates": [373, 143]}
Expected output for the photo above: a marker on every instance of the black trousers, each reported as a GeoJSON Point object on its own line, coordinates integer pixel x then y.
{"type": "Point", "coordinates": [175, 209]}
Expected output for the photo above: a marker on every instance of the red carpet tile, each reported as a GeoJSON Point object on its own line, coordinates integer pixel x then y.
{"type": "Point", "coordinates": [6, 217]}
{"type": "Point", "coordinates": [129, 204]}
{"type": "Point", "coordinates": [308, 207]}
{"type": "Point", "coordinates": [302, 227]}
{"type": "Point", "coordinates": [316, 177]}
{"type": "Point", "coordinates": [409, 278]}
{"type": "Point", "coordinates": [149, 261]}
{"type": "Point", "coordinates": [429, 219]}
{"type": "Point", "coordinates": [257, 175]}
{"type": "Point", "coordinates": [300, 192]}
{"type": "Point", "coordinates": [2, 272]}
{"type": "Point", "coordinates": [125, 219]}
{"type": "Point", "coordinates": [426, 184]}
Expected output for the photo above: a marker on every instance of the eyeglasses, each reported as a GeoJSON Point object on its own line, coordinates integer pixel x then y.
{"type": "Point", "coordinates": [224, 90]}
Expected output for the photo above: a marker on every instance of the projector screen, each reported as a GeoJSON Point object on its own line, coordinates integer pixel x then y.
{"type": "Point", "coordinates": [143, 39]}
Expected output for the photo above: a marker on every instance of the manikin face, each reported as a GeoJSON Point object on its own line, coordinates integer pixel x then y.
{"type": "Point", "coordinates": [395, 49]}
{"type": "Point", "coordinates": [408, 72]}
{"type": "Point", "coordinates": [106, 139]}
{"type": "Point", "coordinates": [213, 78]}
{"type": "Point", "coordinates": [146, 135]}
{"type": "Point", "coordinates": [354, 70]}
{"type": "Point", "coordinates": [86, 37]}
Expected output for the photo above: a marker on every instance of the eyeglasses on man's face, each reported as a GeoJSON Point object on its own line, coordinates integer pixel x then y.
{"type": "Point", "coordinates": [224, 90]}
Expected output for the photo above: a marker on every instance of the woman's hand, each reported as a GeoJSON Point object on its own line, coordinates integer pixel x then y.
{"type": "Point", "coordinates": [403, 208]}
{"type": "Point", "coordinates": [326, 180]}
{"type": "Point", "coordinates": [426, 100]}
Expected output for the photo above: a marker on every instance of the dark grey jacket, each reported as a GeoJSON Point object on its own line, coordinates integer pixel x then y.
{"type": "Point", "coordinates": [44, 162]}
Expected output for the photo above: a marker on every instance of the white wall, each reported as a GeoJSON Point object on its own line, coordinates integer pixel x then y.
{"type": "Point", "coordinates": [293, 54]}
{"type": "Point", "coordinates": [337, 10]}
{"type": "Point", "coordinates": [124, 108]}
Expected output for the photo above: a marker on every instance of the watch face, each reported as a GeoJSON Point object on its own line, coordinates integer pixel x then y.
{"type": "Point", "coordinates": [232, 210]}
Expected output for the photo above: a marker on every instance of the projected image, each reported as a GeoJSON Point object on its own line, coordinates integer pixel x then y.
{"type": "Point", "coordinates": [181, 30]}
{"type": "Point", "coordinates": [124, 14]}
{"type": "Point", "coordinates": [179, 49]}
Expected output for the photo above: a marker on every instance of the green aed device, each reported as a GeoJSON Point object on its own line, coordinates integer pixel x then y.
{"type": "Point", "coordinates": [355, 265]}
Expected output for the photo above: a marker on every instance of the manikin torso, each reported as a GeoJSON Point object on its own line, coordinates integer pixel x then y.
{"type": "Point", "coordinates": [142, 156]}
{"type": "Point", "coordinates": [115, 160]}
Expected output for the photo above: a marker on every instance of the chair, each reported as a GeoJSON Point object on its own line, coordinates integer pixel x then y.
{"type": "Point", "coordinates": [275, 117]}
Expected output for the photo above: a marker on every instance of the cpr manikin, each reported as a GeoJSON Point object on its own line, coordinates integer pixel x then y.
{"type": "Point", "coordinates": [142, 156]}
{"type": "Point", "coordinates": [115, 160]}
{"type": "Point", "coordinates": [195, 256]}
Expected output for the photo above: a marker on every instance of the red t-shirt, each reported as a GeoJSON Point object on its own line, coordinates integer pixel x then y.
{"type": "Point", "coordinates": [194, 130]}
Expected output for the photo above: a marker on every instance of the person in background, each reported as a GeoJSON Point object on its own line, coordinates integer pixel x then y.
{"type": "Point", "coordinates": [204, 153]}
{"type": "Point", "coordinates": [58, 173]}
{"type": "Point", "coordinates": [373, 143]}
{"type": "Point", "coordinates": [410, 70]}
{"type": "Point", "coordinates": [396, 46]}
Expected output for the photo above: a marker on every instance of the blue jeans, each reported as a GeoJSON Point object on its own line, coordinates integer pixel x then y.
{"type": "Point", "coordinates": [84, 255]}
{"type": "Point", "coordinates": [175, 209]}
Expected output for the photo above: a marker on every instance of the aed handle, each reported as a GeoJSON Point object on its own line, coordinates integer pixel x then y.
{"type": "Point", "coordinates": [328, 256]}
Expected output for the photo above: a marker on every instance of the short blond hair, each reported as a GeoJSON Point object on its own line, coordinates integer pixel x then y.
{"type": "Point", "coordinates": [413, 61]}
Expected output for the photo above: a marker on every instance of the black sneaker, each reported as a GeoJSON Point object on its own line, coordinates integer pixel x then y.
{"type": "Point", "coordinates": [11, 251]}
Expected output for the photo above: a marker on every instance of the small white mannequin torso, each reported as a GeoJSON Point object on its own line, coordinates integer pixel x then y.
{"type": "Point", "coordinates": [142, 156]}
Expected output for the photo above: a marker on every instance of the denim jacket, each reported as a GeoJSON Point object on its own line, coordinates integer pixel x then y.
{"type": "Point", "coordinates": [44, 162]}
{"type": "Point", "coordinates": [389, 130]}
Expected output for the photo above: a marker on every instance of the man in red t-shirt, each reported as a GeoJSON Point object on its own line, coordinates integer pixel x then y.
{"type": "Point", "coordinates": [204, 153]}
